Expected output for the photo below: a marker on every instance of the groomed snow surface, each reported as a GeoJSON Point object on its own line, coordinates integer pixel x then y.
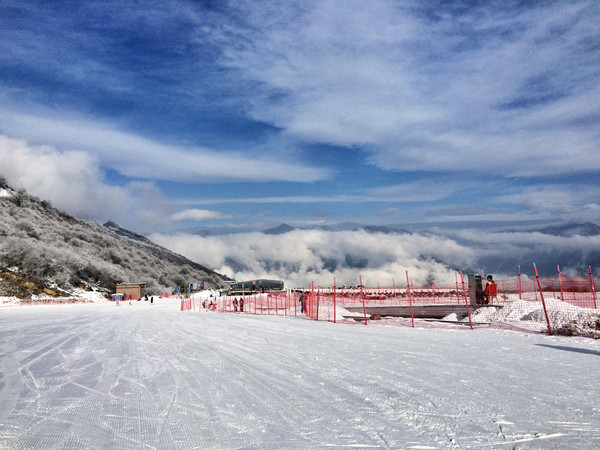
{"type": "Point", "coordinates": [144, 375]}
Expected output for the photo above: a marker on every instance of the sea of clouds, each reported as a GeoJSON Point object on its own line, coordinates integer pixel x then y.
{"type": "Point", "coordinates": [301, 257]}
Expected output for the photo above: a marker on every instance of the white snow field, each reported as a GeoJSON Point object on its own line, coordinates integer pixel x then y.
{"type": "Point", "coordinates": [150, 376]}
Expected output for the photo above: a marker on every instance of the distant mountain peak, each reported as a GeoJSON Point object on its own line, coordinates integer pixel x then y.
{"type": "Point", "coordinates": [572, 229]}
{"type": "Point", "coordinates": [281, 229]}
{"type": "Point", "coordinates": [384, 230]}
{"type": "Point", "coordinates": [377, 229]}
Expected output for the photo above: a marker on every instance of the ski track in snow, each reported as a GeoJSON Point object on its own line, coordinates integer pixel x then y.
{"type": "Point", "coordinates": [151, 376]}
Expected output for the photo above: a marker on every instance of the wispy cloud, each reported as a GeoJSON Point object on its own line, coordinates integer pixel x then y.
{"type": "Point", "coordinates": [139, 157]}
{"type": "Point", "coordinates": [491, 87]}
{"type": "Point", "coordinates": [399, 111]}
{"type": "Point", "coordinates": [198, 215]}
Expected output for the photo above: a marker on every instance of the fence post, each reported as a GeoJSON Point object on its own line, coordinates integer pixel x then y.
{"type": "Point", "coordinates": [334, 305]}
{"type": "Point", "coordinates": [457, 291]}
{"type": "Point", "coordinates": [318, 300]}
{"type": "Point", "coordinates": [312, 300]}
{"type": "Point", "coordinates": [537, 277]}
{"type": "Point", "coordinates": [593, 287]}
{"type": "Point", "coordinates": [362, 294]}
{"type": "Point", "coordinates": [412, 317]}
{"type": "Point", "coordinates": [462, 280]}
{"type": "Point", "coordinates": [562, 296]}
{"type": "Point", "coordinates": [520, 297]}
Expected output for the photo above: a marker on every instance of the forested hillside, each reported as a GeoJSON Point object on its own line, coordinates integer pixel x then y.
{"type": "Point", "coordinates": [44, 250]}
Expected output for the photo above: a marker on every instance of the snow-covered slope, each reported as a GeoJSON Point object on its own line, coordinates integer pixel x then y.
{"type": "Point", "coordinates": [150, 376]}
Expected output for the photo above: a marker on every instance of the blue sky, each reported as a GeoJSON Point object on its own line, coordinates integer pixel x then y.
{"type": "Point", "coordinates": [166, 115]}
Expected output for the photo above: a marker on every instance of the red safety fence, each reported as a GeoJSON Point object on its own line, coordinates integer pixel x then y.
{"type": "Point", "coordinates": [559, 304]}
{"type": "Point", "coordinates": [269, 303]}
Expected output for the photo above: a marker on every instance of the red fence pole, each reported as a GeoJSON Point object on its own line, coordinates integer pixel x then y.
{"type": "Point", "coordinates": [311, 302]}
{"type": "Point", "coordinates": [562, 296]}
{"type": "Point", "coordinates": [593, 287]}
{"type": "Point", "coordinates": [318, 300]}
{"type": "Point", "coordinates": [462, 279]}
{"type": "Point", "coordinates": [520, 298]}
{"type": "Point", "coordinates": [362, 294]}
{"type": "Point", "coordinates": [457, 291]}
{"type": "Point", "coordinates": [334, 306]}
{"type": "Point", "coordinates": [537, 277]}
{"type": "Point", "coordinates": [412, 317]}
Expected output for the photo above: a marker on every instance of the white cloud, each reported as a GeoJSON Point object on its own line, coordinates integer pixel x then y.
{"type": "Point", "coordinates": [139, 157]}
{"type": "Point", "coordinates": [72, 181]}
{"type": "Point", "coordinates": [301, 257]}
{"type": "Point", "coordinates": [569, 203]}
{"type": "Point", "coordinates": [422, 190]}
{"type": "Point", "coordinates": [496, 89]}
{"type": "Point", "coordinates": [198, 215]}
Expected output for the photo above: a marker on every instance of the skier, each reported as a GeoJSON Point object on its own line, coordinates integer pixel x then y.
{"type": "Point", "coordinates": [241, 305]}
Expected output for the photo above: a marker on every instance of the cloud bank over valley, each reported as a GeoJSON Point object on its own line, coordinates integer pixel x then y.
{"type": "Point", "coordinates": [300, 256]}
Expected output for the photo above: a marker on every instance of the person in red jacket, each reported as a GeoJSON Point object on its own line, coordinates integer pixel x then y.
{"type": "Point", "coordinates": [490, 290]}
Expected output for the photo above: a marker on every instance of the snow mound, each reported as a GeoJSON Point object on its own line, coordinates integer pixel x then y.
{"type": "Point", "coordinates": [453, 318]}
{"type": "Point", "coordinates": [564, 317]}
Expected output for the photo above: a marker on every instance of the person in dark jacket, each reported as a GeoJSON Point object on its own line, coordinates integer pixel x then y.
{"type": "Point", "coordinates": [302, 303]}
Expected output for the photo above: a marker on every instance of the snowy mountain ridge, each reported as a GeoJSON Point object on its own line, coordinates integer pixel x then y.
{"type": "Point", "coordinates": [51, 252]}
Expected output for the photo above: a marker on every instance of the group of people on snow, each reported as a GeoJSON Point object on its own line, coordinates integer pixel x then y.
{"type": "Point", "coordinates": [238, 303]}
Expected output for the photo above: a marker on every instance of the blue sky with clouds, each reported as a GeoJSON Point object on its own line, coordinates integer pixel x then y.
{"type": "Point", "coordinates": [173, 114]}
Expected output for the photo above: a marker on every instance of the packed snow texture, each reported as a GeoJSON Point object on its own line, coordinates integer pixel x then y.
{"type": "Point", "coordinates": [144, 375]}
